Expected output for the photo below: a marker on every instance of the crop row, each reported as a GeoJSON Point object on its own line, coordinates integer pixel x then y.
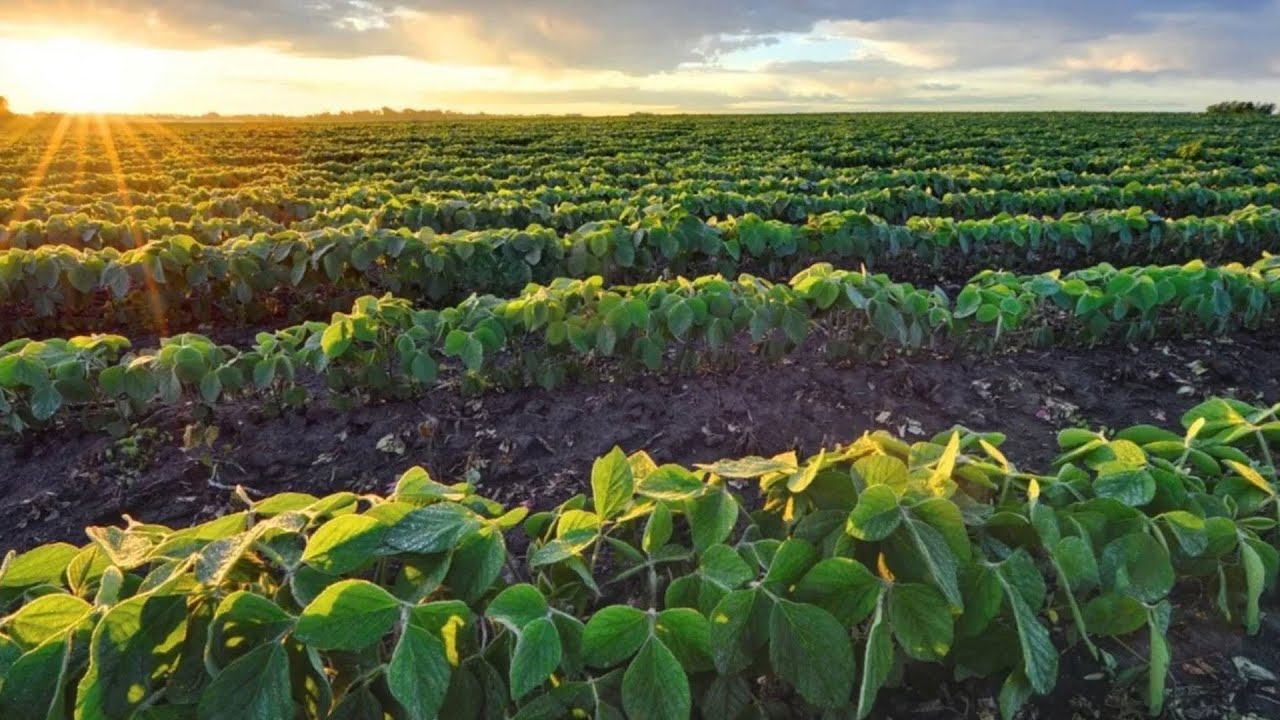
{"type": "Point", "coordinates": [810, 154]}
{"type": "Point", "coordinates": [103, 224]}
{"type": "Point", "coordinates": [185, 282]}
{"type": "Point", "coordinates": [661, 594]}
{"type": "Point", "coordinates": [567, 211]}
{"type": "Point", "coordinates": [485, 157]}
{"type": "Point", "coordinates": [549, 333]}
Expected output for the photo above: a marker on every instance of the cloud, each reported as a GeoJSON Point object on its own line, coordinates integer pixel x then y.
{"type": "Point", "coordinates": [1087, 40]}
{"type": "Point", "coordinates": [645, 37]}
{"type": "Point", "coordinates": [1222, 45]}
{"type": "Point", "coordinates": [686, 100]}
{"type": "Point", "coordinates": [631, 37]}
{"type": "Point", "coordinates": [726, 54]}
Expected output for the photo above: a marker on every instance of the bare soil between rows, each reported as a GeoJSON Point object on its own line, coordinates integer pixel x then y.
{"type": "Point", "coordinates": [536, 447]}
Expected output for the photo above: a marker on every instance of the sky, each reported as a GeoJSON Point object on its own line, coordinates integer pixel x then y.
{"type": "Point", "coordinates": [609, 57]}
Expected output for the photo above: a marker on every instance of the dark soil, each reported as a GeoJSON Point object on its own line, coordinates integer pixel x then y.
{"type": "Point", "coordinates": [536, 447]}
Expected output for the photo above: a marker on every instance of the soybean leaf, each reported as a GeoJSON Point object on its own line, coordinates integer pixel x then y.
{"type": "Point", "coordinates": [1189, 529]}
{"type": "Point", "coordinates": [10, 651]}
{"type": "Point", "coordinates": [1039, 656]}
{"type": "Point", "coordinates": [45, 617]}
{"type": "Point", "coordinates": [254, 687]}
{"type": "Point", "coordinates": [938, 558]}
{"type": "Point", "coordinates": [517, 606]}
{"type": "Point", "coordinates": [922, 622]}
{"type": "Point", "coordinates": [44, 564]}
{"type": "Point", "coordinates": [841, 586]}
{"type": "Point", "coordinates": [1137, 564]}
{"type": "Point", "coordinates": [1133, 487]}
{"type": "Point", "coordinates": [750, 467]}
{"type": "Point", "coordinates": [809, 649]}
{"type": "Point", "coordinates": [131, 645]}
{"type": "Point", "coordinates": [739, 627]}
{"type": "Point", "coordinates": [944, 516]}
{"type": "Point", "coordinates": [1114, 614]}
{"type": "Point", "coordinates": [242, 621]}
{"type": "Point", "coordinates": [1020, 572]}
{"type": "Point", "coordinates": [432, 529]}
{"type": "Point", "coordinates": [711, 518]}
{"type": "Point", "coordinates": [1014, 694]}
{"type": "Point", "coordinates": [792, 559]}
{"type": "Point", "coordinates": [657, 531]}
{"type": "Point", "coordinates": [612, 483]}
{"type": "Point", "coordinates": [571, 631]}
{"type": "Point", "coordinates": [349, 615]}
{"type": "Point", "coordinates": [803, 478]}
{"type": "Point", "coordinates": [724, 567]}
{"type": "Point", "coordinates": [419, 673]}
{"type": "Point", "coordinates": [876, 515]}
{"type": "Point", "coordinates": [679, 319]}
{"type": "Point", "coordinates": [344, 543]}
{"type": "Point", "coordinates": [1158, 670]}
{"type": "Point", "coordinates": [536, 656]}
{"type": "Point", "coordinates": [946, 462]}
{"type": "Point", "coordinates": [670, 482]}
{"type": "Point", "coordinates": [568, 546]}
{"type": "Point", "coordinates": [1254, 575]}
{"type": "Point", "coordinates": [877, 661]}
{"type": "Point", "coordinates": [477, 564]}
{"type": "Point", "coordinates": [983, 598]}
{"type": "Point", "coordinates": [1253, 477]}
{"type": "Point", "coordinates": [655, 686]}
{"type": "Point", "coordinates": [1076, 561]}
{"type": "Point", "coordinates": [34, 685]}
{"type": "Point", "coordinates": [614, 634]}
{"type": "Point", "coordinates": [881, 470]}
{"type": "Point", "coordinates": [688, 635]}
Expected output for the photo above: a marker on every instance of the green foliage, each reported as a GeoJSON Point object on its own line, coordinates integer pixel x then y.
{"type": "Point", "coordinates": [218, 223]}
{"type": "Point", "coordinates": [1193, 150]}
{"type": "Point", "coordinates": [385, 348]}
{"type": "Point", "coordinates": [1241, 107]}
{"type": "Point", "coordinates": [239, 276]}
{"type": "Point", "coordinates": [660, 595]}
{"type": "Point", "coordinates": [519, 253]}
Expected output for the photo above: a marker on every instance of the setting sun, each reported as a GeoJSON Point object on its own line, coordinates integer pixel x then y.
{"type": "Point", "coordinates": [79, 75]}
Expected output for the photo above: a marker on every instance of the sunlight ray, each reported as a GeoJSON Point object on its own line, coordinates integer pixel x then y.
{"type": "Point", "coordinates": [126, 198]}
{"type": "Point", "coordinates": [125, 127]}
{"type": "Point", "coordinates": [38, 175]}
{"type": "Point", "coordinates": [82, 156]}
{"type": "Point", "coordinates": [17, 129]}
{"type": "Point", "coordinates": [160, 128]}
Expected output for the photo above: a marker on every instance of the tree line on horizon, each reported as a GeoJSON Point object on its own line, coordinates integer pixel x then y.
{"type": "Point", "coordinates": [1241, 107]}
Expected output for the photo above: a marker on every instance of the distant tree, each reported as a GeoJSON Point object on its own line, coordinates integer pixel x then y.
{"type": "Point", "coordinates": [1238, 107]}
{"type": "Point", "coordinates": [4, 106]}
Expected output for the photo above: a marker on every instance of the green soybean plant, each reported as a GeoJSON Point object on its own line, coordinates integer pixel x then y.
{"type": "Point", "coordinates": [759, 586]}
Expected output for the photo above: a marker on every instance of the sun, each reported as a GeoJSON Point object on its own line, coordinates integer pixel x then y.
{"type": "Point", "coordinates": [68, 74]}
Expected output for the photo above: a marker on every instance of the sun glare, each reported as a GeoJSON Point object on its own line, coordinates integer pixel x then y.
{"type": "Point", "coordinates": [85, 76]}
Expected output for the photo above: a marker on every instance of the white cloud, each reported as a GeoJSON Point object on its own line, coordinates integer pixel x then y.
{"type": "Point", "coordinates": [688, 54]}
